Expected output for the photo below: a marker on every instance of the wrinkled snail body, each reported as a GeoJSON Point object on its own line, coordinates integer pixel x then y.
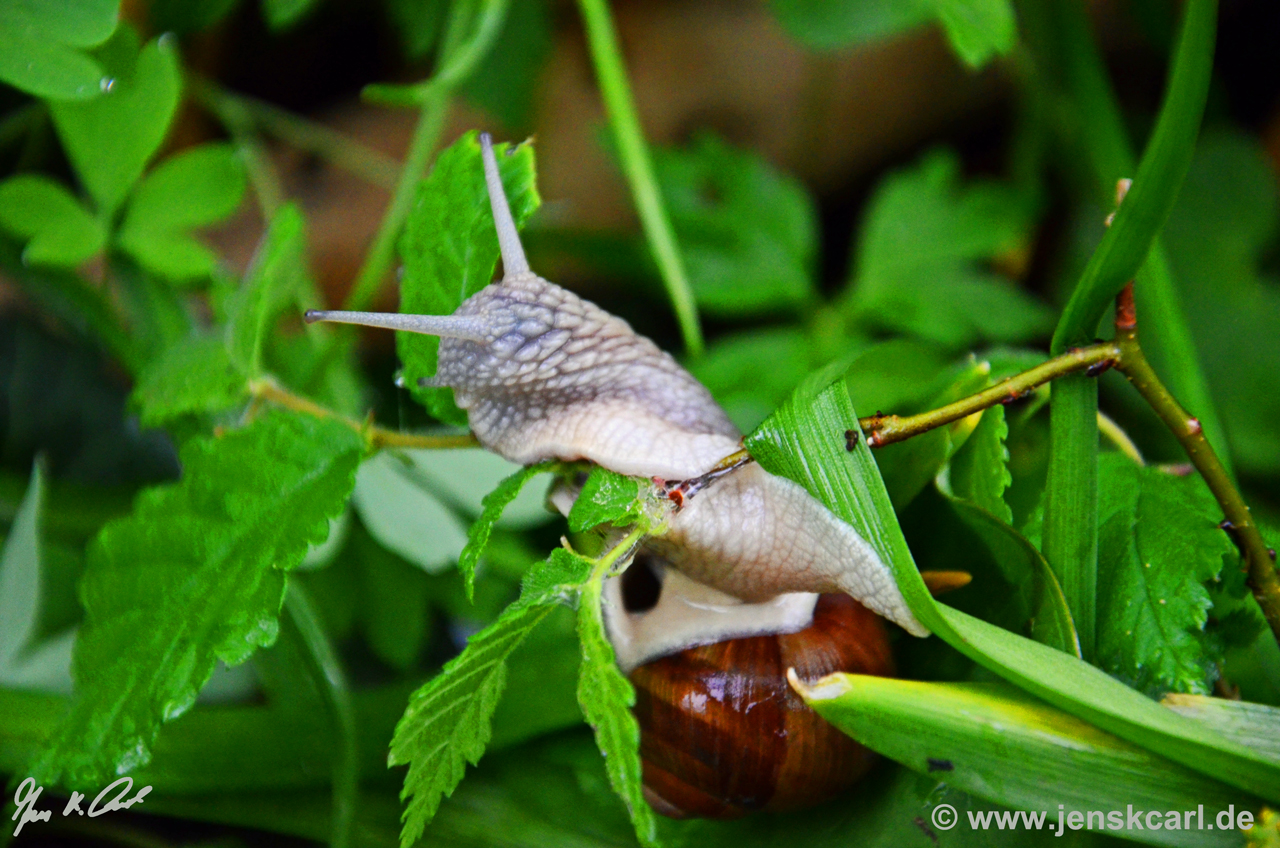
{"type": "Point", "coordinates": [544, 374]}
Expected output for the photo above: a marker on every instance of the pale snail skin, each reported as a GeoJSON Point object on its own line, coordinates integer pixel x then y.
{"type": "Point", "coordinates": [544, 374]}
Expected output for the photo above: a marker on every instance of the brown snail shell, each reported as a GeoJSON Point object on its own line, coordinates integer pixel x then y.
{"type": "Point", "coordinates": [723, 734]}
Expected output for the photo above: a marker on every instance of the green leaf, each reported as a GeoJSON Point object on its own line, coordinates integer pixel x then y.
{"type": "Point", "coordinates": [282, 14]}
{"type": "Point", "coordinates": [20, 576]}
{"type": "Point", "coordinates": [607, 497]}
{"type": "Point", "coordinates": [447, 722]}
{"type": "Point", "coordinates": [978, 30]}
{"type": "Point", "coordinates": [505, 83]}
{"type": "Point", "coordinates": [111, 138]}
{"type": "Point", "coordinates": [273, 277]}
{"type": "Point", "coordinates": [1001, 744]}
{"type": "Point", "coordinates": [973, 483]}
{"type": "Point", "coordinates": [606, 698]}
{"type": "Point", "coordinates": [59, 229]}
{"type": "Point", "coordinates": [188, 16]}
{"type": "Point", "coordinates": [979, 471]}
{"type": "Point", "coordinates": [828, 25]}
{"type": "Point", "coordinates": [40, 38]}
{"type": "Point", "coordinates": [417, 24]}
{"type": "Point", "coordinates": [196, 574]}
{"type": "Point", "coordinates": [450, 249]}
{"type": "Point", "coordinates": [400, 510]}
{"type": "Point", "coordinates": [751, 373]}
{"type": "Point", "coordinates": [395, 598]}
{"type": "Point", "coordinates": [200, 186]}
{"type": "Point", "coordinates": [1252, 725]}
{"type": "Point", "coordinates": [1219, 238]}
{"type": "Point", "coordinates": [917, 269]}
{"type": "Point", "coordinates": [1158, 543]}
{"type": "Point", "coordinates": [194, 376]}
{"type": "Point", "coordinates": [747, 232]}
{"type": "Point", "coordinates": [1038, 599]}
{"type": "Point", "coordinates": [493, 506]}
{"type": "Point", "coordinates": [1161, 172]}
{"type": "Point", "coordinates": [804, 441]}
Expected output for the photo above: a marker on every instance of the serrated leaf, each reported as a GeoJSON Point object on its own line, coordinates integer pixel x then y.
{"type": "Point", "coordinates": [195, 575]}
{"type": "Point", "coordinates": [450, 249]}
{"type": "Point", "coordinates": [1158, 542]}
{"type": "Point", "coordinates": [41, 40]}
{"type": "Point", "coordinates": [274, 274]}
{"type": "Point", "coordinates": [748, 233]}
{"type": "Point", "coordinates": [111, 138]}
{"type": "Point", "coordinates": [197, 187]}
{"type": "Point", "coordinates": [917, 268]}
{"type": "Point", "coordinates": [59, 229]}
{"type": "Point", "coordinates": [447, 722]}
{"type": "Point", "coordinates": [193, 376]}
{"type": "Point", "coordinates": [606, 698]}
{"type": "Point", "coordinates": [1003, 745]}
{"type": "Point", "coordinates": [606, 498]}
{"type": "Point", "coordinates": [492, 507]}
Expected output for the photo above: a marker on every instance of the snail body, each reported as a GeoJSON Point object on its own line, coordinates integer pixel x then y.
{"type": "Point", "coordinates": [544, 374]}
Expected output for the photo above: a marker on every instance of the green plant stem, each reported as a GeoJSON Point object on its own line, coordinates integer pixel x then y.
{"type": "Point", "coordinates": [239, 122]}
{"type": "Point", "coordinates": [266, 389]}
{"type": "Point", "coordinates": [426, 136]}
{"type": "Point", "coordinates": [333, 683]}
{"type": "Point", "coordinates": [1070, 535]}
{"type": "Point", "coordinates": [364, 162]}
{"type": "Point", "coordinates": [883, 430]}
{"type": "Point", "coordinates": [1263, 580]}
{"type": "Point", "coordinates": [1160, 174]}
{"type": "Point", "coordinates": [377, 262]}
{"type": "Point", "coordinates": [1113, 433]}
{"type": "Point", "coordinates": [459, 66]}
{"type": "Point", "coordinates": [636, 164]}
{"type": "Point", "coordinates": [1096, 128]}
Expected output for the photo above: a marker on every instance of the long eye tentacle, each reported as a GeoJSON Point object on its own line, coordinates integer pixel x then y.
{"type": "Point", "coordinates": [513, 260]}
{"type": "Point", "coordinates": [467, 327]}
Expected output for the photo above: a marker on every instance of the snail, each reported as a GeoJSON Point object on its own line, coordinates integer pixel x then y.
{"type": "Point", "coordinates": [722, 732]}
{"type": "Point", "coordinates": [754, 574]}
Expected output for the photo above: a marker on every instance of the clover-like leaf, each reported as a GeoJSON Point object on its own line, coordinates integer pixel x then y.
{"type": "Point", "coordinates": [60, 230]}
{"type": "Point", "coordinates": [195, 188]}
{"type": "Point", "coordinates": [111, 138]}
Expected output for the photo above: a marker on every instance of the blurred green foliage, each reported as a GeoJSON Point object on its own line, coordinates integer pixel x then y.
{"type": "Point", "coordinates": [163, 586]}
